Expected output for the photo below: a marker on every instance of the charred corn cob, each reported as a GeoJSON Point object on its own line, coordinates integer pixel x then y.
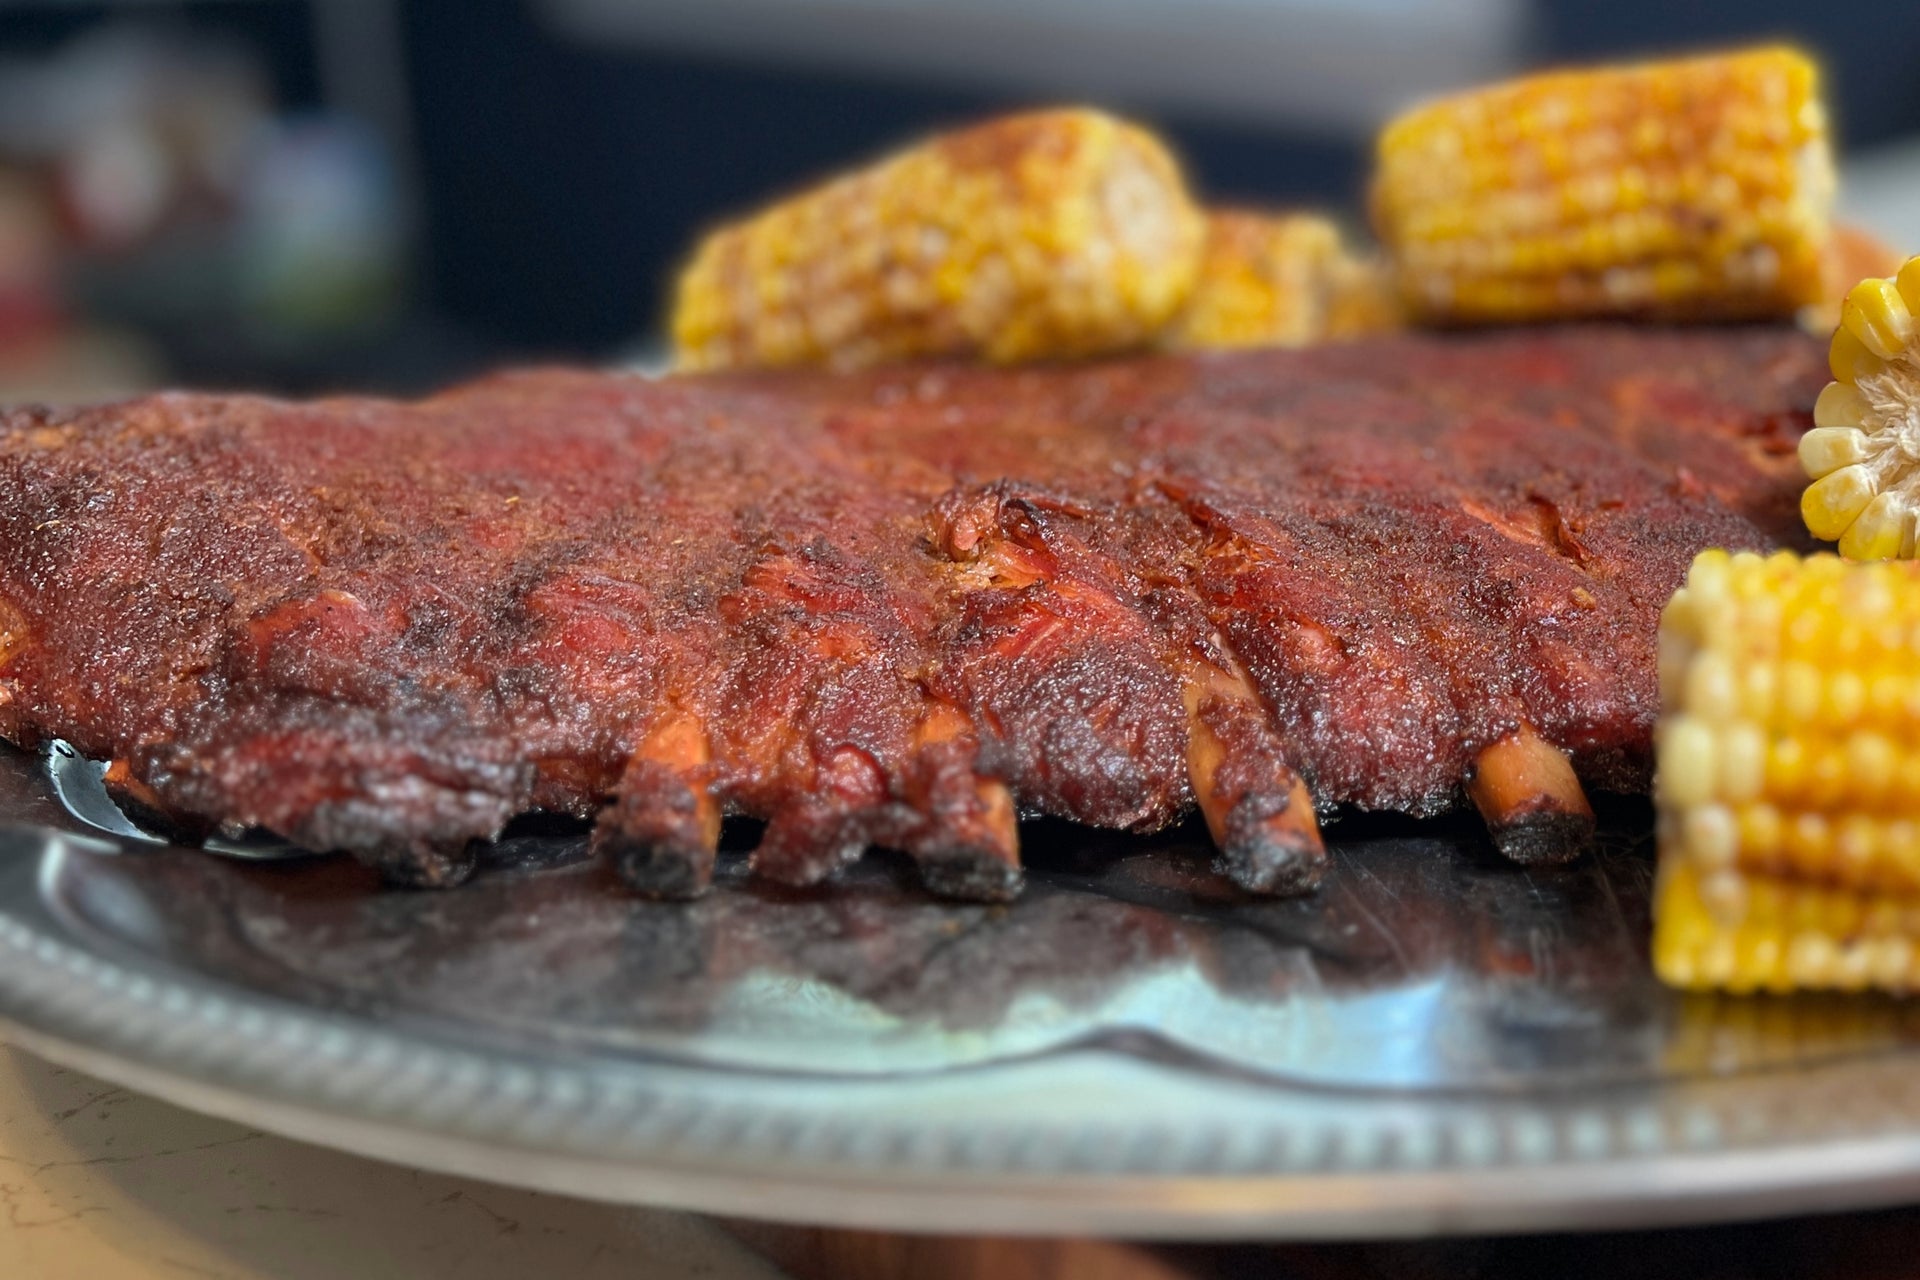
{"type": "Point", "coordinates": [1053, 234]}
{"type": "Point", "coordinates": [1280, 280]}
{"type": "Point", "coordinates": [1788, 787]}
{"type": "Point", "coordinates": [1690, 189]}
{"type": "Point", "coordinates": [1863, 453]}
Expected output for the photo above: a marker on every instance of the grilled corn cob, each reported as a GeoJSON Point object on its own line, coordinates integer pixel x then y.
{"type": "Point", "coordinates": [1052, 234]}
{"type": "Point", "coordinates": [1863, 453]}
{"type": "Point", "coordinates": [1688, 189]}
{"type": "Point", "coordinates": [1788, 789]}
{"type": "Point", "coordinates": [1280, 280]}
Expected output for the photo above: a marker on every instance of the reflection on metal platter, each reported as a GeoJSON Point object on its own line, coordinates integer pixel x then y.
{"type": "Point", "coordinates": [1438, 1040]}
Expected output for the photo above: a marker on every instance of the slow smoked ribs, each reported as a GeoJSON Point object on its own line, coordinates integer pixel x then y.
{"type": "Point", "coordinates": [894, 609]}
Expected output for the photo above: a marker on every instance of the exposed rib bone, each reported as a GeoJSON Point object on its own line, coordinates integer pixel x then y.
{"type": "Point", "coordinates": [978, 855]}
{"type": "Point", "coordinates": [142, 807]}
{"type": "Point", "coordinates": [663, 827]}
{"type": "Point", "coordinates": [969, 845]}
{"type": "Point", "coordinates": [1526, 790]}
{"type": "Point", "coordinates": [1257, 808]}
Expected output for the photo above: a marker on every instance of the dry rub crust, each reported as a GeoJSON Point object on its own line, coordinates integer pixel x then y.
{"type": "Point", "coordinates": [888, 609]}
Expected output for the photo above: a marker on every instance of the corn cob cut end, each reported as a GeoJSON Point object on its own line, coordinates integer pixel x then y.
{"type": "Point", "coordinates": [1695, 189]}
{"type": "Point", "coordinates": [1047, 235]}
{"type": "Point", "coordinates": [1863, 454]}
{"type": "Point", "coordinates": [1788, 788]}
{"type": "Point", "coordinates": [1284, 280]}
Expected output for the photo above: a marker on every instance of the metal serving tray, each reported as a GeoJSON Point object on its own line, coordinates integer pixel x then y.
{"type": "Point", "coordinates": [1437, 1041]}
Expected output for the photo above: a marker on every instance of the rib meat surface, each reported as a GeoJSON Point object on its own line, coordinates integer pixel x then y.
{"type": "Point", "coordinates": [894, 609]}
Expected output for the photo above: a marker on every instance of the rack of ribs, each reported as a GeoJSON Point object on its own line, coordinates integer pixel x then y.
{"type": "Point", "coordinates": [898, 609]}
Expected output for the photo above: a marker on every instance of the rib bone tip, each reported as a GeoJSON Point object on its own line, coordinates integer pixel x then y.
{"type": "Point", "coordinates": [659, 870]}
{"type": "Point", "coordinates": [1275, 868]}
{"type": "Point", "coordinates": [1535, 809]}
{"type": "Point", "coordinates": [978, 857]}
{"type": "Point", "coordinates": [1544, 837]}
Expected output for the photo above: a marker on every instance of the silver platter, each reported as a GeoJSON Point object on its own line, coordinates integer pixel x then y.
{"type": "Point", "coordinates": [1436, 1042]}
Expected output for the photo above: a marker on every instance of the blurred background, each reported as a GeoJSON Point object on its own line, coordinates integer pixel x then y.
{"type": "Point", "coordinates": [304, 195]}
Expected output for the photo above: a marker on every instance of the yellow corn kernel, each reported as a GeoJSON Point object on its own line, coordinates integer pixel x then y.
{"type": "Point", "coordinates": [1696, 188]}
{"type": "Point", "coordinates": [1789, 825]}
{"type": "Point", "coordinates": [1827, 449]}
{"type": "Point", "coordinates": [1832, 503]}
{"type": "Point", "coordinates": [1906, 278]}
{"type": "Point", "coordinates": [1049, 235]}
{"type": "Point", "coordinates": [1849, 360]}
{"type": "Point", "coordinates": [1280, 280]}
{"type": "Point", "coordinates": [1876, 314]}
{"type": "Point", "coordinates": [1878, 532]}
{"type": "Point", "coordinates": [1839, 404]}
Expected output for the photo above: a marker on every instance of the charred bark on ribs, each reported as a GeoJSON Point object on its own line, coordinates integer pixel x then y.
{"type": "Point", "coordinates": [897, 609]}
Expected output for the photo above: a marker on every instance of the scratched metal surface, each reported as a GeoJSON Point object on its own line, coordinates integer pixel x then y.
{"type": "Point", "coordinates": [1435, 1041]}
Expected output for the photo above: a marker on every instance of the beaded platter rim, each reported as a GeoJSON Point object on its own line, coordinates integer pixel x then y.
{"type": "Point", "coordinates": [928, 1154]}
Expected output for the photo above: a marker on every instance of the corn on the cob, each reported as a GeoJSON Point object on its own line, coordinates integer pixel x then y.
{"type": "Point", "coordinates": [1863, 453]}
{"type": "Point", "coordinates": [1689, 189]}
{"type": "Point", "coordinates": [1363, 300]}
{"type": "Point", "coordinates": [1788, 787]}
{"type": "Point", "coordinates": [1282, 280]}
{"type": "Point", "coordinates": [1047, 235]}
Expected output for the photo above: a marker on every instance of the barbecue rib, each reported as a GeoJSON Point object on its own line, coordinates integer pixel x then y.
{"type": "Point", "coordinates": [896, 609]}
